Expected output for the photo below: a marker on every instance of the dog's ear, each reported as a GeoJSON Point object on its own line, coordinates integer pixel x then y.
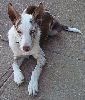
{"type": "Point", "coordinates": [38, 12]}
{"type": "Point", "coordinates": [13, 14]}
{"type": "Point", "coordinates": [30, 9]}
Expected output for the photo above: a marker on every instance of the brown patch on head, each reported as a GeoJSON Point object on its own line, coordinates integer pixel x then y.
{"type": "Point", "coordinates": [13, 14]}
{"type": "Point", "coordinates": [30, 9]}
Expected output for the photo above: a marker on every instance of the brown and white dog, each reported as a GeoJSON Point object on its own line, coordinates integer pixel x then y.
{"type": "Point", "coordinates": [24, 39]}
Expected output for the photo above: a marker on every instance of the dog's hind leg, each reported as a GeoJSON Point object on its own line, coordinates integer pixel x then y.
{"type": "Point", "coordinates": [33, 84]}
{"type": "Point", "coordinates": [18, 76]}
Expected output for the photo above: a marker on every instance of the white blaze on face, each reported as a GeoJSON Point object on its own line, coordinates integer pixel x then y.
{"type": "Point", "coordinates": [25, 28]}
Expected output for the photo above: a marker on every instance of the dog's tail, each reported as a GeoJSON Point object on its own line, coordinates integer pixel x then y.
{"type": "Point", "coordinates": [70, 29]}
{"type": "Point", "coordinates": [59, 27]}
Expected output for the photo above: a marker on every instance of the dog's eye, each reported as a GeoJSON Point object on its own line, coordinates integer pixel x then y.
{"type": "Point", "coordinates": [32, 32]}
{"type": "Point", "coordinates": [31, 21]}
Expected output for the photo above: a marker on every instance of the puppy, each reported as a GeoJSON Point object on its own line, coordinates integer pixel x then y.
{"type": "Point", "coordinates": [24, 39]}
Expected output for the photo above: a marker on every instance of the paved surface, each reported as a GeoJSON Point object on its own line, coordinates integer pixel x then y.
{"type": "Point", "coordinates": [63, 77]}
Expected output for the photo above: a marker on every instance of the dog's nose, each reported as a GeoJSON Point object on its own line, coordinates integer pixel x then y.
{"type": "Point", "coordinates": [26, 48]}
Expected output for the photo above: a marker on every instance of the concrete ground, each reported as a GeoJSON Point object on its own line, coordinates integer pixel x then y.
{"type": "Point", "coordinates": [63, 77]}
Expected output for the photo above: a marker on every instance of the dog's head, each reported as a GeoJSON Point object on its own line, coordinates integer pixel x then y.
{"type": "Point", "coordinates": [26, 25]}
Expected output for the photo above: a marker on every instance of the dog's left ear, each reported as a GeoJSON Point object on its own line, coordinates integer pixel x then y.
{"type": "Point", "coordinates": [13, 14]}
{"type": "Point", "coordinates": [38, 12]}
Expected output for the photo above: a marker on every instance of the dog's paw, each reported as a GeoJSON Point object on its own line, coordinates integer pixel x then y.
{"type": "Point", "coordinates": [18, 77]}
{"type": "Point", "coordinates": [33, 87]}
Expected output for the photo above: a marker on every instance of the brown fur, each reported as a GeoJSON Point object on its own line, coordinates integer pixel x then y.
{"type": "Point", "coordinates": [13, 14]}
{"type": "Point", "coordinates": [45, 21]}
{"type": "Point", "coordinates": [30, 9]}
{"type": "Point", "coordinates": [42, 18]}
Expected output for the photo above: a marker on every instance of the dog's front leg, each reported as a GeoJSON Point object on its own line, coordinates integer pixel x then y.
{"type": "Point", "coordinates": [33, 84]}
{"type": "Point", "coordinates": [18, 76]}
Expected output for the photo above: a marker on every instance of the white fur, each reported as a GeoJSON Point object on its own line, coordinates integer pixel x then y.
{"type": "Point", "coordinates": [36, 52]}
{"type": "Point", "coordinates": [18, 76]}
{"type": "Point", "coordinates": [25, 28]}
{"type": "Point", "coordinates": [73, 30]}
{"type": "Point", "coordinates": [33, 84]}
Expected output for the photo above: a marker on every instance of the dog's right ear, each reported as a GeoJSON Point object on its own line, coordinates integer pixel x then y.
{"type": "Point", "coordinates": [38, 12]}
{"type": "Point", "coordinates": [13, 14]}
